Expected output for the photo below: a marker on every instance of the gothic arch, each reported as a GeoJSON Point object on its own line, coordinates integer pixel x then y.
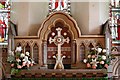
{"type": "Point", "coordinates": [62, 17]}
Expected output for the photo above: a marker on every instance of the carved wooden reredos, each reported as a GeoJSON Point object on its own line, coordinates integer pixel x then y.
{"type": "Point", "coordinates": [39, 45]}
{"type": "Point", "coordinates": [59, 17]}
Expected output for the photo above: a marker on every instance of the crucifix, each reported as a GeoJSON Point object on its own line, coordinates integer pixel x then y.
{"type": "Point", "coordinates": [59, 41]}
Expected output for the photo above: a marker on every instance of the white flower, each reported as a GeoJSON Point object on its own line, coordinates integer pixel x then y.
{"type": "Point", "coordinates": [104, 57]}
{"type": "Point", "coordinates": [27, 53]}
{"type": "Point", "coordinates": [93, 60]}
{"type": "Point", "coordinates": [54, 57]}
{"type": "Point", "coordinates": [63, 56]}
{"type": "Point", "coordinates": [12, 53]}
{"type": "Point", "coordinates": [18, 60]}
{"type": "Point", "coordinates": [85, 60]}
{"type": "Point", "coordinates": [19, 49]}
{"type": "Point", "coordinates": [104, 51]}
{"type": "Point", "coordinates": [102, 62]}
{"type": "Point", "coordinates": [22, 55]}
{"type": "Point", "coordinates": [32, 62]}
{"type": "Point", "coordinates": [92, 48]}
{"type": "Point", "coordinates": [23, 60]}
{"type": "Point", "coordinates": [99, 50]}
{"type": "Point", "coordinates": [89, 56]}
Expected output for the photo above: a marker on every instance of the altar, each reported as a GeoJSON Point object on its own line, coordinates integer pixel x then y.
{"type": "Point", "coordinates": [44, 47]}
{"type": "Point", "coordinates": [59, 49]}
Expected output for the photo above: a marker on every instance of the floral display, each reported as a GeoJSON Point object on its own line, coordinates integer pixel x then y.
{"type": "Point", "coordinates": [19, 60]}
{"type": "Point", "coordinates": [97, 59]}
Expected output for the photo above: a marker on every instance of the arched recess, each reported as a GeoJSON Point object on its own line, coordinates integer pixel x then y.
{"type": "Point", "coordinates": [35, 53]}
{"type": "Point", "coordinates": [82, 52]}
{"type": "Point", "coordinates": [19, 44]}
{"type": "Point", "coordinates": [62, 17]}
{"type": "Point", "coordinates": [55, 20]}
{"type": "Point", "coordinates": [27, 48]}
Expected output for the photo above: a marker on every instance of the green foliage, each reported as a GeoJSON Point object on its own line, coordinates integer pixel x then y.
{"type": "Point", "coordinates": [17, 54]}
{"type": "Point", "coordinates": [15, 71]}
{"type": "Point", "coordinates": [11, 59]}
{"type": "Point", "coordinates": [1, 6]}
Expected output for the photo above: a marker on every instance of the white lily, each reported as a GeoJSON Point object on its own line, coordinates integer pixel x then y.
{"type": "Point", "coordinates": [22, 55]}
{"type": "Point", "coordinates": [99, 50]}
{"type": "Point", "coordinates": [27, 53]}
{"type": "Point", "coordinates": [19, 49]}
{"type": "Point", "coordinates": [104, 51]}
{"type": "Point", "coordinates": [104, 57]}
{"type": "Point", "coordinates": [85, 60]}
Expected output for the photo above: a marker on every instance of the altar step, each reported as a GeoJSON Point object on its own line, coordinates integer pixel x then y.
{"type": "Point", "coordinates": [71, 73]}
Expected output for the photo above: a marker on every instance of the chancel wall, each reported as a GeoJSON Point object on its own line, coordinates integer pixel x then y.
{"type": "Point", "coordinates": [89, 16]}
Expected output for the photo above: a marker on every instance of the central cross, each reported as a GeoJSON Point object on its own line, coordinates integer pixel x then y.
{"type": "Point", "coordinates": [59, 41]}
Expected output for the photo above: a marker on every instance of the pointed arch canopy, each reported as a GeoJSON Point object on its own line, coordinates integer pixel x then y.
{"type": "Point", "coordinates": [63, 18]}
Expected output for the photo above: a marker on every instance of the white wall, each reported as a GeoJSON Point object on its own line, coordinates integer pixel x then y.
{"type": "Point", "coordinates": [37, 13]}
{"type": "Point", "coordinates": [28, 16]}
{"type": "Point", "coordinates": [94, 26]}
{"type": "Point", "coordinates": [104, 11]}
{"type": "Point", "coordinates": [19, 15]}
{"type": "Point", "coordinates": [80, 12]}
{"type": "Point", "coordinates": [98, 14]}
{"type": "Point", "coordinates": [89, 16]}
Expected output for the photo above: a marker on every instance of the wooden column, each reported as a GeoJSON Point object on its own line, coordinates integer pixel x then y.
{"type": "Point", "coordinates": [44, 52]}
{"type": "Point", "coordinates": [73, 56]}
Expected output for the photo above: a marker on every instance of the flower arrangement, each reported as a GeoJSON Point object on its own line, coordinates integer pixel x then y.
{"type": "Point", "coordinates": [97, 59]}
{"type": "Point", "coordinates": [19, 60]}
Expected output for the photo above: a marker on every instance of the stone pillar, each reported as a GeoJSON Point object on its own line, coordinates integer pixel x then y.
{"type": "Point", "coordinates": [73, 56]}
{"type": "Point", "coordinates": [107, 40]}
{"type": "Point", "coordinates": [44, 52]}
